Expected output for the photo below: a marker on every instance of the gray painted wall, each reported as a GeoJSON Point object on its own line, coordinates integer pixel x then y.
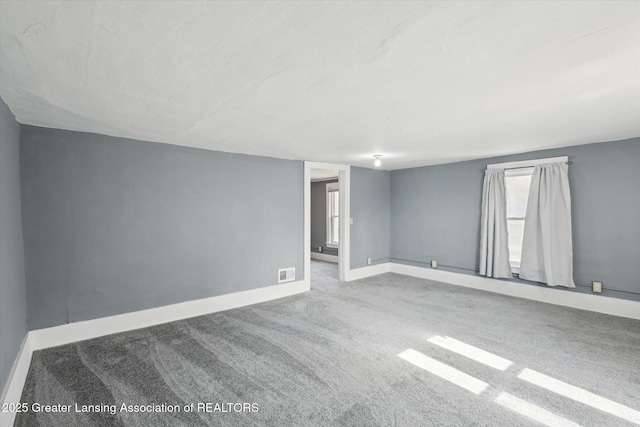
{"type": "Point", "coordinates": [13, 311]}
{"type": "Point", "coordinates": [370, 210]}
{"type": "Point", "coordinates": [115, 225]}
{"type": "Point", "coordinates": [319, 217]}
{"type": "Point", "coordinates": [435, 214]}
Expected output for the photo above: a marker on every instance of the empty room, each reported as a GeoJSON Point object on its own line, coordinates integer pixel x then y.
{"type": "Point", "coordinates": [319, 213]}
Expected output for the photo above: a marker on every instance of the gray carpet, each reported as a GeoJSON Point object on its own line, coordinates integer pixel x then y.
{"type": "Point", "coordinates": [330, 357]}
{"type": "Point", "coordinates": [323, 272]}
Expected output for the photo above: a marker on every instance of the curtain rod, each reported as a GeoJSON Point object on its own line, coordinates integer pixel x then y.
{"type": "Point", "coordinates": [528, 167]}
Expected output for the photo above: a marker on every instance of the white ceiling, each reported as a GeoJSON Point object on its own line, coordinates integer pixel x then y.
{"type": "Point", "coordinates": [418, 82]}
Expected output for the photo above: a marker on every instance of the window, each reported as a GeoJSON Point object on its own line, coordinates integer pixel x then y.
{"type": "Point", "coordinates": [517, 182]}
{"type": "Point", "coordinates": [333, 214]}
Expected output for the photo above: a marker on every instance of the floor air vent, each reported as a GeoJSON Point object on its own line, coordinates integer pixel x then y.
{"type": "Point", "coordinates": [286, 274]}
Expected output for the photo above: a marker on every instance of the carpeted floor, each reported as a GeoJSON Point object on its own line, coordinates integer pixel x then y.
{"type": "Point", "coordinates": [366, 353]}
{"type": "Point", "coordinates": [323, 272]}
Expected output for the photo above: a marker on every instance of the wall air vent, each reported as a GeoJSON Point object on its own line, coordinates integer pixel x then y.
{"type": "Point", "coordinates": [286, 274]}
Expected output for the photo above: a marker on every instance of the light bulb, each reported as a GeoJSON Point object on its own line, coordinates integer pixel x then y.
{"type": "Point", "coordinates": [377, 162]}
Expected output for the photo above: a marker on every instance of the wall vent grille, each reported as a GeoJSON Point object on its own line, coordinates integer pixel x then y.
{"type": "Point", "coordinates": [286, 274]}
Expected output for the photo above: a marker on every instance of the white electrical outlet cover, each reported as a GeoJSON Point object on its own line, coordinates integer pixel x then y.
{"type": "Point", "coordinates": [596, 287]}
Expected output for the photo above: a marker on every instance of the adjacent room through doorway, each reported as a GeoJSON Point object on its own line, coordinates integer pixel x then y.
{"type": "Point", "coordinates": [325, 225]}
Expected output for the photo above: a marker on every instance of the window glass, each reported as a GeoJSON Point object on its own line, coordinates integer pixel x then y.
{"type": "Point", "coordinates": [517, 184]}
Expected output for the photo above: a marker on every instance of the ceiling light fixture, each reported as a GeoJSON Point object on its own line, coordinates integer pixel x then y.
{"type": "Point", "coordinates": [377, 162]}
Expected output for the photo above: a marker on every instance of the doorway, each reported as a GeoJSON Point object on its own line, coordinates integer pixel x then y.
{"type": "Point", "coordinates": [326, 222]}
{"type": "Point", "coordinates": [325, 225]}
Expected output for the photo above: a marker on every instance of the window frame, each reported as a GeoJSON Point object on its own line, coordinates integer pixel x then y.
{"type": "Point", "coordinates": [332, 187]}
{"type": "Point", "coordinates": [512, 173]}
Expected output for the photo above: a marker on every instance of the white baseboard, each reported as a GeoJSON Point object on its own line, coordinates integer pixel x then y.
{"type": "Point", "coordinates": [597, 303]}
{"type": "Point", "coordinates": [368, 271]}
{"type": "Point", "coordinates": [78, 331]}
{"type": "Point", "coordinates": [324, 257]}
{"type": "Point", "coordinates": [15, 383]}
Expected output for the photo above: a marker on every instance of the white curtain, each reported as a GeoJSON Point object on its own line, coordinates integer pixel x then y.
{"type": "Point", "coordinates": [547, 251]}
{"type": "Point", "coordinates": [494, 240]}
